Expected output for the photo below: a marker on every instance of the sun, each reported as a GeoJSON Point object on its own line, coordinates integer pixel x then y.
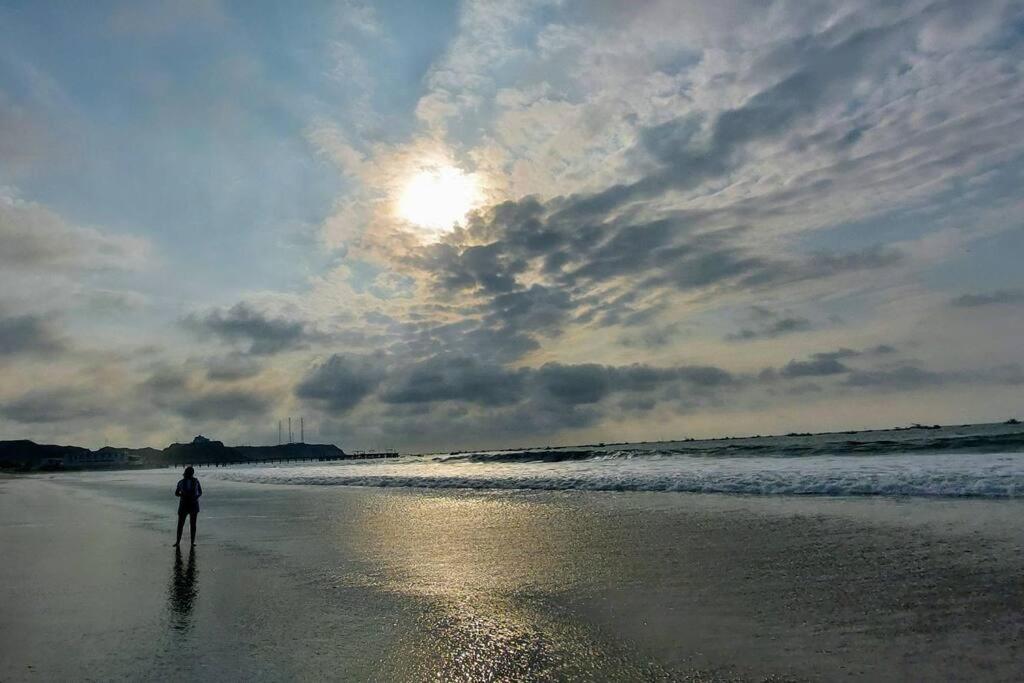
{"type": "Point", "coordinates": [436, 199]}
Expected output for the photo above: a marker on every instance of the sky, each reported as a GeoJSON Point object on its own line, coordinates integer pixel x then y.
{"type": "Point", "coordinates": [443, 225]}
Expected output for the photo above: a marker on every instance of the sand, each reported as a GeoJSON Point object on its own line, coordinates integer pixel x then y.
{"type": "Point", "coordinates": [366, 584]}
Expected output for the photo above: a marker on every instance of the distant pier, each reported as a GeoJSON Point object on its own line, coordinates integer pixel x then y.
{"type": "Point", "coordinates": [355, 455]}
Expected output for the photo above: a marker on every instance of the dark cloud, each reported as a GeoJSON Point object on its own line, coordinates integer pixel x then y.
{"type": "Point", "coordinates": [342, 381]}
{"type": "Point", "coordinates": [231, 368]}
{"type": "Point", "coordinates": [704, 376]}
{"type": "Point", "coordinates": [819, 365]}
{"type": "Point", "coordinates": [772, 328]}
{"type": "Point", "coordinates": [818, 266]}
{"type": "Point", "coordinates": [652, 337]}
{"type": "Point", "coordinates": [1000, 296]}
{"type": "Point", "coordinates": [553, 389]}
{"type": "Point", "coordinates": [591, 382]}
{"type": "Point", "coordinates": [901, 377]}
{"type": "Point", "coordinates": [181, 392]}
{"type": "Point", "coordinates": [454, 378]}
{"type": "Point", "coordinates": [611, 272]}
{"type": "Point", "coordinates": [907, 376]}
{"type": "Point", "coordinates": [29, 334]}
{"type": "Point", "coordinates": [164, 380]}
{"type": "Point", "coordinates": [825, 363]}
{"type": "Point", "coordinates": [490, 267]}
{"type": "Point", "coordinates": [631, 248]}
{"type": "Point", "coordinates": [222, 405]}
{"type": "Point", "coordinates": [538, 308]}
{"type": "Point", "coordinates": [814, 368]}
{"type": "Point", "coordinates": [264, 334]}
{"type": "Point", "coordinates": [469, 335]}
{"type": "Point", "coordinates": [53, 405]}
{"type": "Point", "coordinates": [456, 399]}
{"type": "Point", "coordinates": [572, 384]}
{"type": "Point", "coordinates": [887, 376]}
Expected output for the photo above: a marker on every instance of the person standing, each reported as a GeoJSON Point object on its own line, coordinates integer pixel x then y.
{"type": "Point", "coordinates": [188, 491]}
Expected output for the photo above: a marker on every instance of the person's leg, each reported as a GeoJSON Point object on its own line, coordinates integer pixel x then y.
{"type": "Point", "coordinates": [181, 525]}
{"type": "Point", "coordinates": [192, 525]}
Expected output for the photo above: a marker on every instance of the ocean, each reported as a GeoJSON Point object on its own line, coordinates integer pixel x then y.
{"type": "Point", "coordinates": [981, 461]}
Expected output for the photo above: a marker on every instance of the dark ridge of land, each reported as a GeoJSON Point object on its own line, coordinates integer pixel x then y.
{"type": "Point", "coordinates": [27, 456]}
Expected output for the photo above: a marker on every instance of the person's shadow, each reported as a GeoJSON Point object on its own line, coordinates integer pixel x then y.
{"type": "Point", "coordinates": [182, 591]}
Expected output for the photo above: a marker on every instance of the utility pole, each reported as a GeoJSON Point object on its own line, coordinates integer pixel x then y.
{"type": "Point", "coordinates": [302, 431]}
{"type": "Point", "coordinates": [289, 430]}
{"type": "Point", "coordinates": [278, 432]}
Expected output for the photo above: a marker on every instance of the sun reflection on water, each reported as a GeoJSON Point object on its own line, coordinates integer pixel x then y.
{"type": "Point", "coordinates": [488, 583]}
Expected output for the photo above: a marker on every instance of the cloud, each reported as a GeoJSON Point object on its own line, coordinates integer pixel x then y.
{"type": "Point", "coordinates": [898, 377]}
{"type": "Point", "coordinates": [460, 399]}
{"type": "Point", "coordinates": [469, 336]}
{"type": "Point", "coordinates": [182, 391]}
{"type": "Point", "coordinates": [487, 267]}
{"type": "Point", "coordinates": [223, 405]}
{"type": "Point", "coordinates": [242, 323]}
{"type": "Point", "coordinates": [542, 269]}
{"type": "Point", "coordinates": [874, 372]}
{"type": "Point", "coordinates": [691, 149]}
{"type": "Point", "coordinates": [999, 296]}
{"type": "Point", "coordinates": [231, 368]}
{"type": "Point", "coordinates": [52, 405]}
{"type": "Point", "coordinates": [539, 308]}
{"type": "Point", "coordinates": [29, 335]}
{"type": "Point", "coordinates": [906, 377]}
{"type": "Point", "coordinates": [591, 382]}
{"type": "Point", "coordinates": [825, 363]}
{"type": "Point", "coordinates": [652, 337]}
{"type": "Point", "coordinates": [34, 238]}
{"type": "Point", "coordinates": [341, 382]}
{"type": "Point", "coordinates": [574, 384]}
{"type": "Point", "coordinates": [453, 378]}
{"type": "Point", "coordinates": [819, 366]}
{"type": "Point", "coordinates": [766, 324]}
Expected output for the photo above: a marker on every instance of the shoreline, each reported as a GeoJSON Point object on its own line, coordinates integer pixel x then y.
{"type": "Point", "coordinates": [404, 584]}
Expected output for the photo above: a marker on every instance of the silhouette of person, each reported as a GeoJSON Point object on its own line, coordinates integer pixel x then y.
{"type": "Point", "coordinates": [188, 491]}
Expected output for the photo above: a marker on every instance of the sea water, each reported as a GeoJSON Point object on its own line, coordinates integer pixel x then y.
{"type": "Point", "coordinates": [985, 461]}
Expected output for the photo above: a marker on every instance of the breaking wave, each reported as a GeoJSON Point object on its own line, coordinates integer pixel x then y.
{"type": "Point", "coordinates": [979, 461]}
{"type": "Point", "coordinates": [999, 475]}
{"type": "Point", "coordinates": [777, 447]}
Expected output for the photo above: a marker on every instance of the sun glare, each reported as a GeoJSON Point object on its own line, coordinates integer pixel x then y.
{"type": "Point", "coordinates": [436, 199]}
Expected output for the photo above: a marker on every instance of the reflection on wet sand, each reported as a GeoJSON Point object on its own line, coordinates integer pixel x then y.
{"type": "Point", "coordinates": [182, 591]}
{"type": "Point", "coordinates": [488, 581]}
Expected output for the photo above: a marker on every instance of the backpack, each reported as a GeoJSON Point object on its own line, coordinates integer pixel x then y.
{"type": "Point", "coordinates": [188, 488]}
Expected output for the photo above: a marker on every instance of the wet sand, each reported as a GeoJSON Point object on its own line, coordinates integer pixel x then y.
{"type": "Point", "coordinates": [367, 584]}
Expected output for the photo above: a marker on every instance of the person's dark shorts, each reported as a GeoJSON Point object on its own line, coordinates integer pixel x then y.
{"type": "Point", "coordinates": [188, 507]}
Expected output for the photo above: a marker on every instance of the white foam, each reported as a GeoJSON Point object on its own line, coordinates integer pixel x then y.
{"type": "Point", "coordinates": [990, 475]}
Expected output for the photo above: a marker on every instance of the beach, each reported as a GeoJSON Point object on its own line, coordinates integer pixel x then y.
{"type": "Point", "coordinates": [402, 584]}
